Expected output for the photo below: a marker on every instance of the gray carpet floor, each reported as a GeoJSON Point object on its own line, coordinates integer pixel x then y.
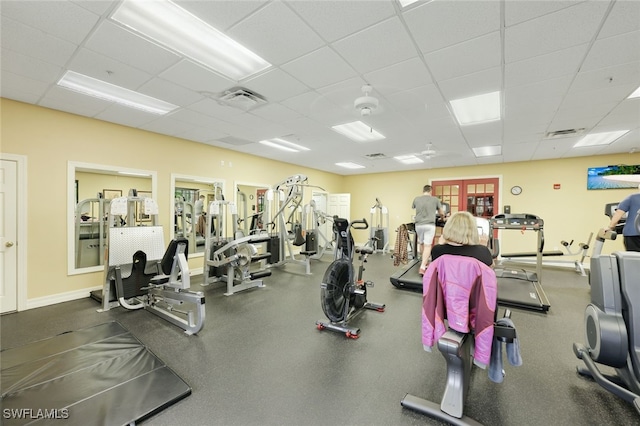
{"type": "Point", "coordinates": [261, 361]}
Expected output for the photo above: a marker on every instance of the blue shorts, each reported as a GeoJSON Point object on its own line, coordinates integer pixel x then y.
{"type": "Point", "coordinates": [426, 233]}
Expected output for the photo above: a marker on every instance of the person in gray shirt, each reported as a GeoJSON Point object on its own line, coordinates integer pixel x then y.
{"type": "Point", "coordinates": [426, 207]}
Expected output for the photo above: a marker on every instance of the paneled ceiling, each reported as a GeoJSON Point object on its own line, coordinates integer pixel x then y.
{"type": "Point", "coordinates": [559, 65]}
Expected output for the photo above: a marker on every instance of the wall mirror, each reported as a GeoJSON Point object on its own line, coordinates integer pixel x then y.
{"type": "Point", "coordinates": [250, 199]}
{"type": "Point", "coordinates": [90, 187]}
{"type": "Point", "coordinates": [191, 195]}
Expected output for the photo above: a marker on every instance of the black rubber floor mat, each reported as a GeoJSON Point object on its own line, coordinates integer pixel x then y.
{"type": "Point", "coordinates": [99, 375]}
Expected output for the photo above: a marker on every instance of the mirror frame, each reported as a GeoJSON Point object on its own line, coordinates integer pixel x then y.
{"type": "Point", "coordinates": [189, 178]}
{"type": "Point", "coordinates": [72, 168]}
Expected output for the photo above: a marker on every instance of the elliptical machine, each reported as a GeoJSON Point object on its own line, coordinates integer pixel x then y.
{"type": "Point", "coordinates": [612, 321]}
{"type": "Point", "coordinates": [342, 294]}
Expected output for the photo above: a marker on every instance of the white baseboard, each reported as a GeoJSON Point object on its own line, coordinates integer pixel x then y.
{"type": "Point", "coordinates": [39, 302]}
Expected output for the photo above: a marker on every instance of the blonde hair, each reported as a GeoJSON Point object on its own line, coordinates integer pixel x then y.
{"type": "Point", "coordinates": [461, 228]}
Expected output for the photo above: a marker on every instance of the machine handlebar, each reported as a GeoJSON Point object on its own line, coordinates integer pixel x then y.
{"type": "Point", "coordinates": [360, 224]}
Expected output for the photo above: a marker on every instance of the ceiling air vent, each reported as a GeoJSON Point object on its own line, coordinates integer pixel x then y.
{"type": "Point", "coordinates": [567, 133]}
{"type": "Point", "coordinates": [376, 156]}
{"type": "Point", "coordinates": [239, 97]}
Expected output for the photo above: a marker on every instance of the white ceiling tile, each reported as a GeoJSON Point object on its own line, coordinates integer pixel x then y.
{"type": "Point", "coordinates": [377, 47]}
{"type": "Point", "coordinates": [439, 24]}
{"type": "Point", "coordinates": [221, 14]}
{"type": "Point", "coordinates": [275, 85]}
{"type": "Point", "coordinates": [75, 103]}
{"type": "Point", "coordinates": [334, 20]}
{"type": "Point", "coordinates": [466, 58]}
{"type": "Point", "coordinates": [485, 81]}
{"type": "Point", "coordinates": [551, 81]}
{"type": "Point", "coordinates": [197, 78]}
{"type": "Point", "coordinates": [99, 7]}
{"type": "Point", "coordinates": [276, 112]}
{"type": "Point", "coordinates": [126, 116]}
{"type": "Point", "coordinates": [544, 67]}
{"type": "Point", "coordinates": [107, 69]}
{"type": "Point", "coordinates": [200, 134]}
{"type": "Point", "coordinates": [616, 50]}
{"type": "Point", "coordinates": [625, 74]}
{"type": "Point", "coordinates": [536, 90]}
{"type": "Point", "coordinates": [519, 11]}
{"type": "Point", "coordinates": [320, 68]}
{"type": "Point", "coordinates": [624, 17]}
{"type": "Point", "coordinates": [166, 126]}
{"type": "Point", "coordinates": [60, 19]}
{"type": "Point", "coordinates": [486, 134]}
{"type": "Point", "coordinates": [29, 41]}
{"type": "Point", "coordinates": [399, 77]}
{"type": "Point", "coordinates": [29, 67]}
{"type": "Point", "coordinates": [115, 42]}
{"type": "Point", "coordinates": [565, 28]}
{"type": "Point", "coordinates": [169, 92]}
{"type": "Point", "coordinates": [268, 34]}
{"type": "Point", "coordinates": [21, 88]}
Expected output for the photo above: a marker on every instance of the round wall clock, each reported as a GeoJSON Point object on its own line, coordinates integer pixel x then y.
{"type": "Point", "coordinates": [516, 190]}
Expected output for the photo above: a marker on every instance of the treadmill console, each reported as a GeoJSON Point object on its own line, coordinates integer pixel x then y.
{"type": "Point", "coordinates": [516, 221]}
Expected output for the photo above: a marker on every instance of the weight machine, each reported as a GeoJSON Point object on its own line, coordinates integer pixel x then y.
{"type": "Point", "coordinates": [379, 229]}
{"type": "Point", "coordinates": [232, 259]}
{"type": "Point", "coordinates": [140, 274]}
{"type": "Point", "coordinates": [282, 214]}
{"type": "Point", "coordinates": [583, 252]}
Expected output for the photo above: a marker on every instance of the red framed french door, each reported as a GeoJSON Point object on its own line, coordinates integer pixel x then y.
{"type": "Point", "coordinates": [480, 197]}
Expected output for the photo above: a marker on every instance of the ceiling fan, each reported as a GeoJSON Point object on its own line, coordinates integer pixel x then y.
{"type": "Point", "coordinates": [430, 151]}
{"type": "Point", "coordinates": [366, 104]}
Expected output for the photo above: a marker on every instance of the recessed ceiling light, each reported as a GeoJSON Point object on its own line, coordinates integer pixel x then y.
{"type": "Point", "coordinates": [604, 138]}
{"type": "Point", "coordinates": [284, 145]}
{"type": "Point", "coordinates": [358, 131]}
{"type": "Point", "coordinates": [408, 159]}
{"type": "Point", "coordinates": [405, 3]}
{"type": "Point", "coordinates": [477, 109]}
{"type": "Point", "coordinates": [173, 27]}
{"type": "Point", "coordinates": [487, 151]}
{"type": "Point", "coordinates": [350, 165]}
{"type": "Point", "coordinates": [635, 94]}
{"type": "Point", "coordinates": [110, 92]}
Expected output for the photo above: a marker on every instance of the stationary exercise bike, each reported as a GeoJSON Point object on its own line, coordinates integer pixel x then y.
{"type": "Point", "coordinates": [342, 293]}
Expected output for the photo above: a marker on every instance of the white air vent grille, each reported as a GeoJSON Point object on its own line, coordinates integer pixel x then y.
{"type": "Point", "coordinates": [567, 133]}
{"type": "Point", "coordinates": [376, 156]}
{"type": "Point", "coordinates": [244, 99]}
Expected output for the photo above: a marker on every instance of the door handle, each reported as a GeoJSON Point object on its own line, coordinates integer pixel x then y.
{"type": "Point", "coordinates": [8, 244]}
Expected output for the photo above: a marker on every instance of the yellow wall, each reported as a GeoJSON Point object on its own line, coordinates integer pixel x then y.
{"type": "Point", "coordinates": [49, 139]}
{"type": "Point", "coordinates": [570, 213]}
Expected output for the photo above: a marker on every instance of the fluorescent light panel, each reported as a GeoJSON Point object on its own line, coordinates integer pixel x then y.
{"type": "Point", "coordinates": [477, 109]}
{"type": "Point", "coordinates": [173, 27]}
{"type": "Point", "coordinates": [110, 92]}
{"type": "Point", "coordinates": [358, 131]}
{"type": "Point", "coordinates": [604, 138]}
{"type": "Point", "coordinates": [408, 159]}
{"type": "Point", "coordinates": [284, 145]}
{"type": "Point", "coordinates": [405, 3]}
{"type": "Point", "coordinates": [350, 165]}
{"type": "Point", "coordinates": [487, 151]}
{"type": "Point", "coordinates": [635, 94]}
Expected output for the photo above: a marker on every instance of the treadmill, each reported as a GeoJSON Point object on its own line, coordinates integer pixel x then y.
{"type": "Point", "coordinates": [520, 288]}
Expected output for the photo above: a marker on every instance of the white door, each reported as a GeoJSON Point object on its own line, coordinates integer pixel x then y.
{"type": "Point", "coordinates": [340, 205]}
{"type": "Point", "coordinates": [8, 236]}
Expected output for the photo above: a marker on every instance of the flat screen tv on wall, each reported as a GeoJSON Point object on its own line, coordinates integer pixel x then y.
{"type": "Point", "coordinates": [613, 177]}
